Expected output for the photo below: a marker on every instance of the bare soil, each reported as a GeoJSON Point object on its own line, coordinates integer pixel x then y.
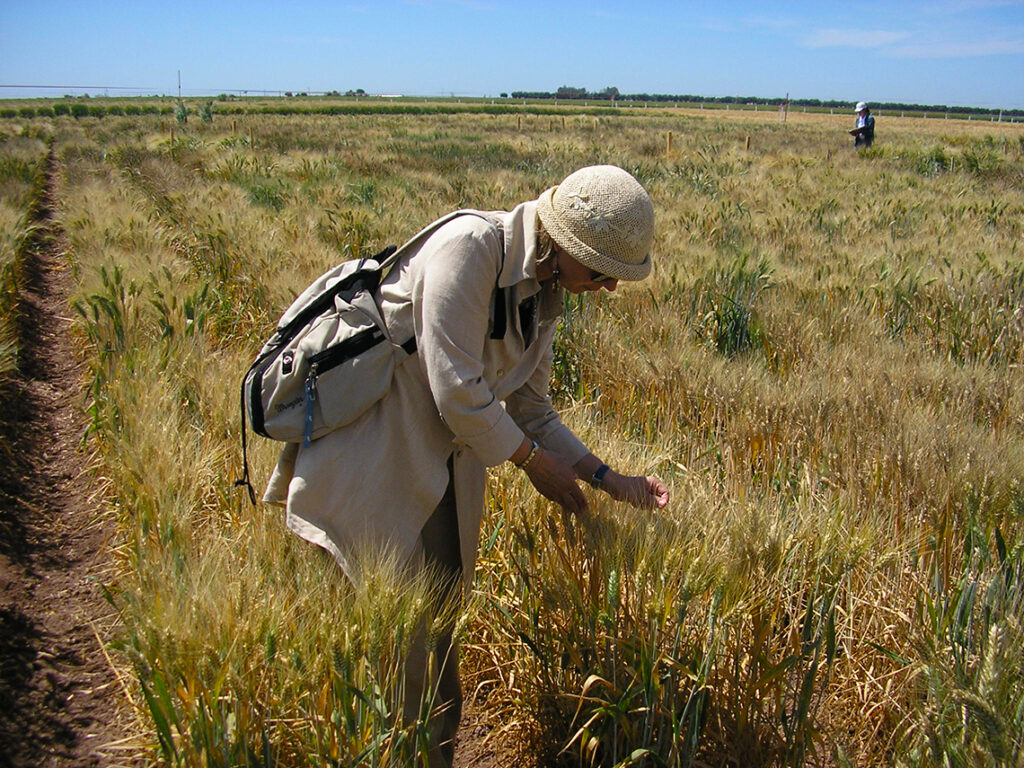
{"type": "Point", "coordinates": [61, 703]}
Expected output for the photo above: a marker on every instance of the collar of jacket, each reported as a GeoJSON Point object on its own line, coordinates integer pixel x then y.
{"type": "Point", "coordinates": [520, 228]}
{"type": "Point", "coordinates": [520, 266]}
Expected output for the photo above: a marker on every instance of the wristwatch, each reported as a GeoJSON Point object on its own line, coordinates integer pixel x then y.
{"type": "Point", "coordinates": [599, 475]}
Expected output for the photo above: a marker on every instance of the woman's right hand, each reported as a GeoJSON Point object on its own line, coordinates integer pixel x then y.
{"type": "Point", "coordinates": [555, 479]}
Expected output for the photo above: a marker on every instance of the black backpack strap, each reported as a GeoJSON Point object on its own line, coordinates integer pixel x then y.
{"type": "Point", "coordinates": [244, 481]}
{"type": "Point", "coordinates": [500, 310]}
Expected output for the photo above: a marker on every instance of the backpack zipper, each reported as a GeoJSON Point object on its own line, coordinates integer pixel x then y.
{"type": "Point", "coordinates": [331, 358]}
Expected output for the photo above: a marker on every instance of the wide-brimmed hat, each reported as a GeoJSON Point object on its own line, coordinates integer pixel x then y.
{"type": "Point", "coordinates": [602, 217]}
{"type": "Point", "coordinates": [861, 106]}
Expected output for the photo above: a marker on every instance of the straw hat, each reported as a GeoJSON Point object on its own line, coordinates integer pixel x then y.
{"type": "Point", "coordinates": [603, 218]}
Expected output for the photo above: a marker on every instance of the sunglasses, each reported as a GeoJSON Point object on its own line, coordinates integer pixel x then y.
{"type": "Point", "coordinates": [597, 277]}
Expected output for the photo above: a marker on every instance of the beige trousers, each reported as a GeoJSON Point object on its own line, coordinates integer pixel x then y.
{"type": "Point", "coordinates": [437, 668]}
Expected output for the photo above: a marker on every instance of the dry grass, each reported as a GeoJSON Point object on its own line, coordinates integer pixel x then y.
{"type": "Point", "coordinates": [21, 161]}
{"type": "Point", "coordinates": [826, 366]}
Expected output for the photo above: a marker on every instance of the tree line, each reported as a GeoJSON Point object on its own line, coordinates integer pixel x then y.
{"type": "Point", "coordinates": [612, 94]}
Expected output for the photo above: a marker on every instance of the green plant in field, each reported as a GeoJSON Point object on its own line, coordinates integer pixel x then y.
{"type": "Point", "coordinates": [980, 161]}
{"type": "Point", "coordinates": [705, 171]}
{"type": "Point", "coordinates": [181, 112]}
{"type": "Point", "coordinates": [968, 659]}
{"type": "Point", "coordinates": [351, 232]}
{"type": "Point", "coordinates": [363, 192]}
{"type": "Point", "coordinates": [185, 318]}
{"type": "Point", "coordinates": [724, 307]}
{"type": "Point", "coordinates": [109, 323]}
{"type": "Point", "coordinates": [267, 192]}
{"type": "Point", "coordinates": [932, 161]}
{"type": "Point", "coordinates": [618, 679]}
{"type": "Point", "coordinates": [19, 169]}
{"type": "Point", "coordinates": [206, 112]}
{"type": "Point", "coordinates": [567, 374]}
{"type": "Point", "coordinates": [12, 288]}
{"type": "Point", "coordinates": [899, 299]}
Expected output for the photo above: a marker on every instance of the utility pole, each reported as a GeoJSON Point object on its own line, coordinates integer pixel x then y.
{"type": "Point", "coordinates": [179, 85]}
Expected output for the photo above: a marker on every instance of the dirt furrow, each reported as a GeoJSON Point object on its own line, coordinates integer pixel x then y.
{"type": "Point", "coordinates": [61, 703]}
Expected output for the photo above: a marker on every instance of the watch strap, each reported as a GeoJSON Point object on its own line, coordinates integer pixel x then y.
{"type": "Point", "coordinates": [598, 476]}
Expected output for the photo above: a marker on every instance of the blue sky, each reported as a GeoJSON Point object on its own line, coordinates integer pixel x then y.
{"type": "Point", "coordinates": [955, 52]}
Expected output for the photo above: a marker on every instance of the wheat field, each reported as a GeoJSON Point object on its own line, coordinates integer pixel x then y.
{"type": "Point", "coordinates": [826, 366]}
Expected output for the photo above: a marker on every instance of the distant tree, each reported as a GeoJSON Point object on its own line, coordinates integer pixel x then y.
{"type": "Point", "coordinates": [206, 112]}
{"type": "Point", "coordinates": [181, 113]}
{"type": "Point", "coordinates": [504, 95]}
{"type": "Point", "coordinates": [570, 92]}
{"type": "Point", "coordinates": [611, 92]}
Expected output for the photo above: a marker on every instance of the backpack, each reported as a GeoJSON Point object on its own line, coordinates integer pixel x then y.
{"type": "Point", "coordinates": [331, 357]}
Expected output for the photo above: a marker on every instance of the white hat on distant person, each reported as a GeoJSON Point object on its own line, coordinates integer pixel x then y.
{"type": "Point", "coordinates": [861, 106]}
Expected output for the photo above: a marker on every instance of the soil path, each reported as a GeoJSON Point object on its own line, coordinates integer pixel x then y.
{"type": "Point", "coordinates": [61, 703]}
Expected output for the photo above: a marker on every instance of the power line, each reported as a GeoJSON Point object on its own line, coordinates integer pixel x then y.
{"type": "Point", "coordinates": [163, 92]}
{"type": "Point", "coordinates": [85, 87]}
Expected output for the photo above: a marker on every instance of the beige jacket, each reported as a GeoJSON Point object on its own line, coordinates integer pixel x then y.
{"type": "Point", "coordinates": [376, 481]}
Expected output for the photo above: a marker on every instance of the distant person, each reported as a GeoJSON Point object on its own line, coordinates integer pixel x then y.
{"type": "Point", "coordinates": [864, 133]}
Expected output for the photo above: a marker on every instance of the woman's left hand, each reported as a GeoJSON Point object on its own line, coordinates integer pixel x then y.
{"type": "Point", "coordinates": [642, 492]}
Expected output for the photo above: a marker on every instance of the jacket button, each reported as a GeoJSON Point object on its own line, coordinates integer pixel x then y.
{"type": "Point", "coordinates": [501, 371]}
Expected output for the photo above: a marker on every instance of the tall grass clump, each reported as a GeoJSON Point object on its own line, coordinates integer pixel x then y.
{"type": "Point", "coordinates": [22, 166]}
{"type": "Point", "coordinates": [652, 639]}
{"type": "Point", "coordinates": [13, 244]}
{"type": "Point", "coordinates": [969, 650]}
{"type": "Point", "coordinates": [724, 310]}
